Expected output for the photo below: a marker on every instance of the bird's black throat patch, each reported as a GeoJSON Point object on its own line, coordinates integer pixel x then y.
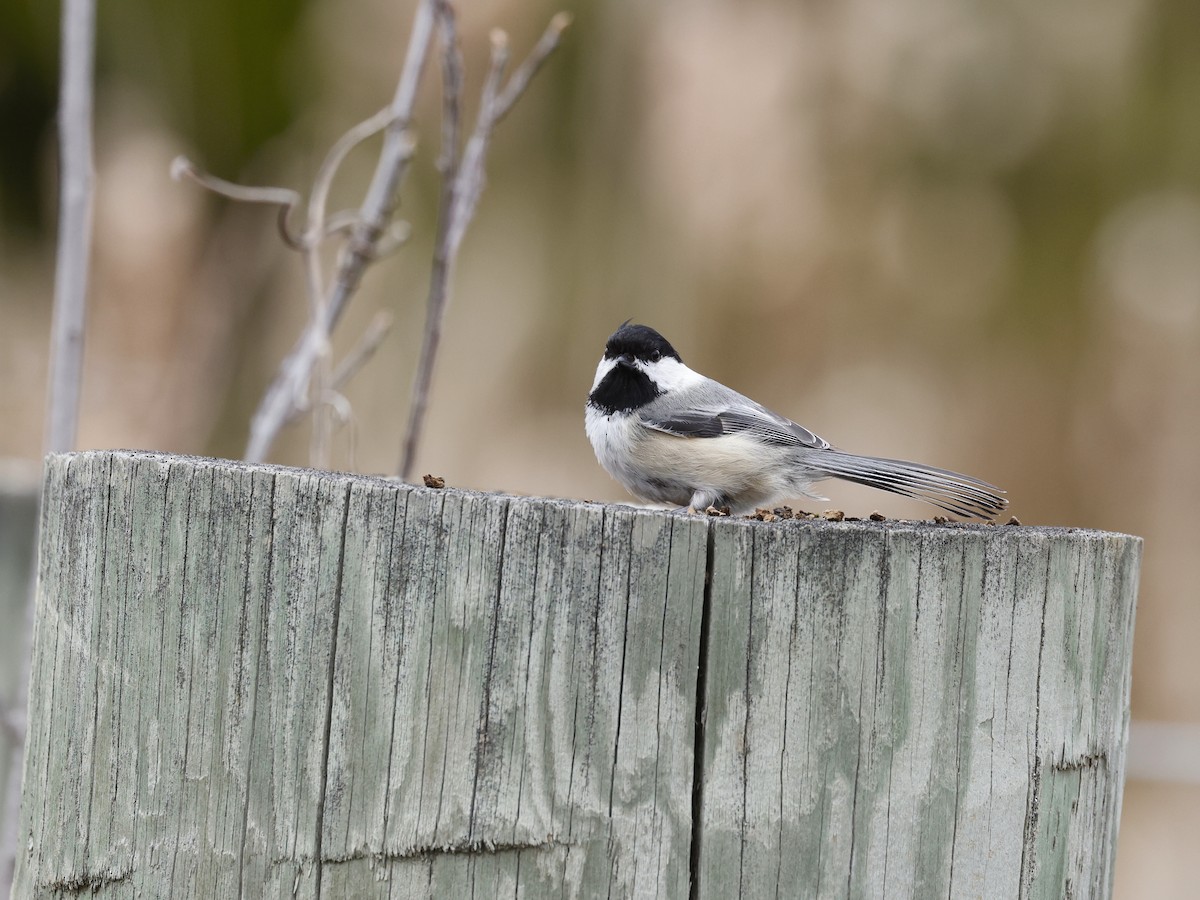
{"type": "Point", "coordinates": [624, 388]}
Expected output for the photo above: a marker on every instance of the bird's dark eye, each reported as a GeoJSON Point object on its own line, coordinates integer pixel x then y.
{"type": "Point", "coordinates": [655, 356]}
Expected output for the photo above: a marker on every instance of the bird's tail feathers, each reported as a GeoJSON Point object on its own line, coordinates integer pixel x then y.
{"type": "Point", "coordinates": [952, 491]}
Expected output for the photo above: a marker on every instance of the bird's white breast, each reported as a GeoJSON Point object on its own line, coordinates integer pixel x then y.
{"type": "Point", "coordinates": [614, 437]}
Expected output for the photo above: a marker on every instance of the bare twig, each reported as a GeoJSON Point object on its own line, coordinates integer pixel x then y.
{"type": "Point", "coordinates": [339, 409]}
{"type": "Point", "coordinates": [285, 198]}
{"type": "Point", "coordinates": [461, 190]}
{"type": "Point", "coordinates": [341, 222]}
{"type": "Point", "coordinates": [317, 230]}
{"type": "Point", "coordinates": [444, 246]}
{"type": "Point", "coordinates": [363, 350]}
{"type": "Point", "coordinates": [452, 88]}
{"type": "Point", "coordinates": [318, 227]}
{"type": "Point", "coordinates": [533, 63]}
{"type": "Point", "coordinates": [333, 411]}
{"type": "Point", "coordinates": [393, 239]}
{"type": "Point", "coordinates": [334, 159]}
{"type": "Point", "coordinates": [469, 180]}
{"type": "Point", "coordinates": [331, 398]}
{"type": "Point", "coordinates": [75, 223]}
{"type": "Point", "coordinates": [291, 382]}
{"type": "Point", "coordinates": [306, 377]}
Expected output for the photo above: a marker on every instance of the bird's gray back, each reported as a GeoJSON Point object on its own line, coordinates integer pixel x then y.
{"type": "Point", "coordinates": [708, 408]}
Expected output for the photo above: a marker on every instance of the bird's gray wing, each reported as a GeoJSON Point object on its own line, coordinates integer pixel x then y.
{"type": "Point", "coordinates": [713, 411]}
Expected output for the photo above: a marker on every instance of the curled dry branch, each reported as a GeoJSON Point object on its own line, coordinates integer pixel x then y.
{"type": "Point", "coordinates": [286, 199]}
{"type": "Point", "coordinates": [287, 396]}
{"type": "Point", "coordinates": [306, 379]}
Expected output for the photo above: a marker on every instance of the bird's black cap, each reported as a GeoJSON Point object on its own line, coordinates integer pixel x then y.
{"type": "Point", "coordinates": [639, 341]}
{"type": "Point", "coordinates": [627, 386]}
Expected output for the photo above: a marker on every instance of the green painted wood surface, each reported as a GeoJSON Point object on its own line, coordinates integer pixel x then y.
{"type": "Point", "coordinates": [256, 681]}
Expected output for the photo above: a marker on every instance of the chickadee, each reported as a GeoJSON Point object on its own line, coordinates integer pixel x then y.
{"type": "Point", "coordinates": [670, 435]}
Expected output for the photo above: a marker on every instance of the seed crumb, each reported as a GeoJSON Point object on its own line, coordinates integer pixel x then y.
{"type": "Point", "coordinates": [877, 516]}
{"type": "Point", "coordinates": [1013, 520]}
{"type": "Point", "coordinates": [834, 515]}
{"type": "Point", "coordinates": [434, 481]}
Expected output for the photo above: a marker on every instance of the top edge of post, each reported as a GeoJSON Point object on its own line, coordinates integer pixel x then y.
{"type": "Point", "coordinates": [849, 523]}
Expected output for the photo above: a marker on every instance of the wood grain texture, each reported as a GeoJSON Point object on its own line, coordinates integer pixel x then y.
{"type": "Point", "coordinates": [256, 681]}
{"type": "Point", "coordinates": [915, 711]}
{"type": "Point", "coordinates": [271, 682]}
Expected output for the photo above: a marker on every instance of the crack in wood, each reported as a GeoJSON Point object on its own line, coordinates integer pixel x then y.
{"type": "Point", "coordinates": [469, 847]}
{"type": "Point", "coordinates": [87, 882]}
{"type": "Point", "coordinates": [1093, 759]}
{"type": "Point", "coordinates": [698, 764]}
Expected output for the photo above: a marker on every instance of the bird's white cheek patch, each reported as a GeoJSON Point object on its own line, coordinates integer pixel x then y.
{"type": "Point", "coordinates": [672, 375]}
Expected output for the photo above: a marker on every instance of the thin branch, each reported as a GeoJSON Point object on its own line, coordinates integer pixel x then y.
{"type": "Point", "coordinates": [75, 224]}
{"type": "Point", "coordinates": [452, 88]}
{"type": "Point", "coordinates": [285, 198]}
{"type": "Point", "coordinates": [393, 239]}
{"type": "Point", "coordinates": [461, 191]}
{"type": "Point", "coordinates": [342, 223]}
{"type": "Point", "coordinates": [322, 431]}
{"type": "Point", "coordinates": [308, 244]}
{"type": "Point", "coordinates": [333, 160]}
{"type": "Point", "coordinates": [359, 355]}
{"type": "Point", "coordinates": [320, 377]}
{"type": "Point", "coordinates": [470, 178]}
{"type": "Point", "coordinates": [340, 409]}
{"type": "Point", "coordinates": [367, 344]}
{"type": "Point", "coordinates": [307, 371]}
{"type": "Point", "coordinates": [439, 275]}
{"type": "Point", "coordinates": [292, 380]}
{"type": "Point", "coordinates": [317, 228]}
{"type": "Point", "coordinates": [520, 79]}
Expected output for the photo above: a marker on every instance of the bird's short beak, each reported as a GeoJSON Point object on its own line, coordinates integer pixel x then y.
{"type": "Point", "coordinates": [626, 360]}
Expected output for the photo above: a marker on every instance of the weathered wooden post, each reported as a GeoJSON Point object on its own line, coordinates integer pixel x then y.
{"type": "Point", "coordinates": [255, 681]}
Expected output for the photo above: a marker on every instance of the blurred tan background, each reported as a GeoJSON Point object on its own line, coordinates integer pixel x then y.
{"type": "Point", "coordinates": [964, 234]}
